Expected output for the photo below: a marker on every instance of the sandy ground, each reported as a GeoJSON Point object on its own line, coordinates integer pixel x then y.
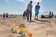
{"type": "Point", "coordinates": [40, 28]}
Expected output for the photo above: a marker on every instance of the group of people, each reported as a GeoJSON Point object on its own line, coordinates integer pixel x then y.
{"type": "Point", "coordinates": [28, 13]}
{"type": "Point", "coordinates": [5, 15]}
{"type": "Point", "coordinates": [49, 16]}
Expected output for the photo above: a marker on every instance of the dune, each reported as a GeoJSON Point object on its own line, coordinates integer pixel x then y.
{"type": "Point", "coordinates": [40, 28]}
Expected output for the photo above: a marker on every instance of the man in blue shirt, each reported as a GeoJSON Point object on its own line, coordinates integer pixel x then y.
{"type": "Point", "coordinates": [37, 8]}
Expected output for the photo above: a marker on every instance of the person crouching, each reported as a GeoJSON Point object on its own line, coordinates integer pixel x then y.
{"type": "Point", "coordinates": [25, 15]}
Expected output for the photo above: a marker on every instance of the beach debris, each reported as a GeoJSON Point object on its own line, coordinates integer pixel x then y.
{"type": "Point", "coordinates": [46, 34]}
{"type": "Point", "coordinates": [22, 25]}
{"type": "Point", "coordinates": [29, 34]}
{"type": "Point", "coordinates": [18, 29]}
{"type": "Point", "coordinates": [13, 28]}
{"type": "Point", "coordinates": [23, 30]}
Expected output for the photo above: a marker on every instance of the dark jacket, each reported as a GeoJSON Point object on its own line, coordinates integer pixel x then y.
{"type": "Point", "coordinates": [37, 7]}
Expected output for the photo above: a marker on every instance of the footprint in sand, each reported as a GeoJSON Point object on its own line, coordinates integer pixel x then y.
{"type": "Point", "coordinates": [51, 32]}
{"type": "Point", "coordinates": [49, 25]}
{"type": "Point", "coordinates": [10, 35]}
{"type": "Point", "coordinates": [3, 23]}
{"type": "Point", "coordinates": [55, 22]}
{"type": "Point", "coordinates": [37, 29]}
{"type": "Point", "coordinates": [40, 23]}
{"type": "Point", "coordinates": [15, 21]}
{"type": "Point", "coordinates": [5, 31]}
{"type": "Point", "coordinates": [44, 27]}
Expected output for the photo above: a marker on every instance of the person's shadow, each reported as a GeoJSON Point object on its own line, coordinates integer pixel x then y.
{"type": "Point", "coordinates": [32, 21]}
{"type": "Point", "coordinates": [43, 20]}
{"type": "Point", "coordinates": [39, 20]}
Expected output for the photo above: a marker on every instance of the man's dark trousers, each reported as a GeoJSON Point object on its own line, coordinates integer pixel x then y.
{"type": "Point", "coordinates": [29, 15]}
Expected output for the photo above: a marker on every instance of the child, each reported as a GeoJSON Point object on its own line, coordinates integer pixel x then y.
{"type": "Point", "coordinates": [24, 14]}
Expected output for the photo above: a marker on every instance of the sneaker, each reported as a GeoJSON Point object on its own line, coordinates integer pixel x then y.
{"type": "Point", "coordinates": [35, 19]}
{"type": "Point", "coordinates": [28, 20]}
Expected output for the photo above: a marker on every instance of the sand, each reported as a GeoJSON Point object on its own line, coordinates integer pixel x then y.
{"type": "Point", "coordinates": [41, 28]}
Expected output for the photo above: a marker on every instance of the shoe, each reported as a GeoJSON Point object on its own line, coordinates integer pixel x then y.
{"type": "Point", "coordinates": [35, 19]}
{"type": "Point", "coordinates": [30, 20]}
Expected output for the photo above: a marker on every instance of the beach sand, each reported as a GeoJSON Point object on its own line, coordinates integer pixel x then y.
{"type": "Point", "coordinates": [41, 28]}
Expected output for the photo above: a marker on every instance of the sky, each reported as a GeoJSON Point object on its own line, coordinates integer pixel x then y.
{"type": "Point", "coordinates": [19, 6]}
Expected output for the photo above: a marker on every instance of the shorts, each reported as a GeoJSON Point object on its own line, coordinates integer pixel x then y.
{"type": "Point", "coordinates": [36, 12]}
